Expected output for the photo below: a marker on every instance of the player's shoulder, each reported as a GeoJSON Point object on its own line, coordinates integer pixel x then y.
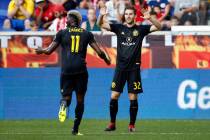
{"type": "Point", "coordinates": [62, 31]}
{"type": "Point", "coordinates": [116, 24]}
{"type": "Point", "coordinates": [86, 32]}
{"type": "Point", "coordinates": [142, 26]}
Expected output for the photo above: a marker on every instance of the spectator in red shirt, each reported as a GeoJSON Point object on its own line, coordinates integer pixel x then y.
{"type": "Point", "coordinates": [45, 12]}
{"type": "Point", "coordinates": [138, 6]}
{"type": "Point", "coordinates": [59, 22]}
{"type": "Point", "coordinates": [158, 12]}
{"type": "Point", "coordinates": [164, 7]}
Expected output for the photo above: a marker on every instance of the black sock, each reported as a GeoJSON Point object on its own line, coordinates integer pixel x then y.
{"type": "Point", "coordinates": [78, 116]}
{"type": "Point", "coordinates": [66, 101]}
{"type": "Point", "coordinates": [133, 111]}
{"type": "Point", "coordinates": [113, 109]}
{"type": "Point", "coordinates": [63, 101]}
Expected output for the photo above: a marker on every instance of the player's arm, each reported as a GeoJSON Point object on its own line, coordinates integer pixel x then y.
{"type": "Point", "coordinates": [101, 53]}
{"type": "Point", "coordinates": [52, 46]}
{"type": "Point", "coordinates": [47, 50]}
{"type": "Point", "coordinates": [156, 25]}
{"type": "Point", "coordinates": [102, 21]}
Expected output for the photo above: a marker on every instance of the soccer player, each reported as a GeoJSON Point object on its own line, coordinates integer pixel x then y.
{"type": "Point", "coordinates": [129, 43]}
{"type": "Point", "coordinates": [74, 76]}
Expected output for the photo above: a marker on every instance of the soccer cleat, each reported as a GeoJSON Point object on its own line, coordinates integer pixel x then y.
{"type": "Point", "coordinates": [111, 127]}
{"type": "Point", "coordinates": [62, 115]}
{"type": "Point", "coordinates": [131, 128]}
{"type": "Point", "coordinates": [76, 133]}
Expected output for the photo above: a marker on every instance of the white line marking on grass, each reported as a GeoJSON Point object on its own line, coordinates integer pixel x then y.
{"type": "Point", "coordinates": [110, 133]}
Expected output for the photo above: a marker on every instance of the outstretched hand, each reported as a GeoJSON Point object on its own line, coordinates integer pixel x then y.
{"type": "Point", "coordinates": [103, 11]}
{"type": "Point", "coordinates": [146, 14]}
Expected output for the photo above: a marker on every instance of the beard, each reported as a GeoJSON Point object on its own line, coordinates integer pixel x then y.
{"type": "Point", "coordinates": [130, 22]}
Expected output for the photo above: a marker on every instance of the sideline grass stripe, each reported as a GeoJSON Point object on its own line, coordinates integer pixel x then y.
{"type": "Point", "coordinates": [110, 133]}
{"type": "Point", "coordinates": [93, 130]}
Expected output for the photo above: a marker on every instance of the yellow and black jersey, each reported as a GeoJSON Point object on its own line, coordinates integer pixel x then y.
{"type": "Point", "coordinates": [74, 42]}
{"type": "Point", "coordinates": [129, 43]}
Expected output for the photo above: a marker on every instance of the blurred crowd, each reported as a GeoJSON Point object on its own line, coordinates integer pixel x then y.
{"type": "Point", "coordinates": [50, 15]}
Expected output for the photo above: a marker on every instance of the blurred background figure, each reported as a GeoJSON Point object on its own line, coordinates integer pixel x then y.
{"type": "Point", "coordinates": [115, 10]}
{"type": "Point", "coordinates": [45, 12]}
{"type": "Point", "coordinates": [27, 25]}
{"type": "Point", "coordinates": [7, 26]}
{"type": "Point", "coordinates": [90, 24]}
{"type": "Point", "coordinates": [100, 4]}
{"type": "Point", "coordinates": [19, 12]}
{"type": "Point", "coordinates": [203, 12]}
{"type": "Point", "coordinates": [157, 11]}
{"type": "Point", "coordinates": [188, 23]}
{"type": "Point", "coordinates": [173, 22]}
{"type": "Point", "coordinates": [187, 10]}
{"type": "Point", "coordinates": [34, 26]}
{"type": "Point", "coordinates": [161, 7]}
{"type": "Point", "coordinates": [69, 4]}
{"type": "Point", "coordinates": [137, 5]}
{"type": "Point", "coordinates": [85, 4]}
{"type": "Point", "coordinates": [59, 22]}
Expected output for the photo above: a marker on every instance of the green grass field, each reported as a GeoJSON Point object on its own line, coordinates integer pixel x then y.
{"type": "Point", "coordinates": [93, 130]}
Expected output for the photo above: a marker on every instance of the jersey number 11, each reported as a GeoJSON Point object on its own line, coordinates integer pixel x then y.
{"type": "Point", "coordinates": [75, 43]}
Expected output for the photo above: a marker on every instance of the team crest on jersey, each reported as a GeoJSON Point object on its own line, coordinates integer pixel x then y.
{"type": "Point", "coordinates": [113, 85]}
{"type": "Point", "coordinates": [135, 33]}
{"type": "Point", "coordinates": [129, 39]}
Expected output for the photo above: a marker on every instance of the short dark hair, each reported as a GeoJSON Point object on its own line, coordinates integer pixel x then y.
{"type": "Point", "coordinates": [128, 7]}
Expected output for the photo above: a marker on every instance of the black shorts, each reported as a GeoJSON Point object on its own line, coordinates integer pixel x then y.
{"type": "Point", "coordinates": [133, 79]}
{"type": "Point", "coordinates": [70, 83]}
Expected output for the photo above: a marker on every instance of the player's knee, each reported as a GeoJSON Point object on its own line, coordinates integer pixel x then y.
{"type": "Point", "coordinates": [115, 95]}
{"type": "Point", "coordinates": [133, 96]}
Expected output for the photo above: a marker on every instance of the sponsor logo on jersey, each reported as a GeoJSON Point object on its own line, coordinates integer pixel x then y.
{"type": "Point", "coordinates": [135, 33]}
{"type": "Point", "coordinates": [128, 39]}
